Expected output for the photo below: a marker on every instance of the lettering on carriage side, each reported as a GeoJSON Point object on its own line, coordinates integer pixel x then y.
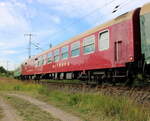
{"type": "Point", "coordinates": [68, 64]}
{"type": "Point", "coordinates": [59, 64]}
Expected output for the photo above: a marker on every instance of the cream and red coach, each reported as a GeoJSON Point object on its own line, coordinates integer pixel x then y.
{"type": "Point", "coordinates": [106, 51]}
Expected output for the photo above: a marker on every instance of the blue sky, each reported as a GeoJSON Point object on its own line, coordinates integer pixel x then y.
{"type": "Point", "coordinates": [50, 21]}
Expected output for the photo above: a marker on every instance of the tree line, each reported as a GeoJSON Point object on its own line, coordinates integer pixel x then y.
{"type": "Point", "coordinates": [4, 72]}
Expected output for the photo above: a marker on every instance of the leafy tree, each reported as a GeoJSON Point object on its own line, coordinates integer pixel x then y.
{"type": "Point", "coordinates": [2, 70]}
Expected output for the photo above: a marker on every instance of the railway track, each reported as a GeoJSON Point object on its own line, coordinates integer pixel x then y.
{"type": "Point", "coordinates": [140, 94]}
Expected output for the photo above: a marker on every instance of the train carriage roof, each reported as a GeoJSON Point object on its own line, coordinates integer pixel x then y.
{"type": "Point", "coordinates": [145, 9]}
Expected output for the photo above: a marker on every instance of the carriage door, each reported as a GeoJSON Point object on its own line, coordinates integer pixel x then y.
{"type": "Point", "coordinates": [120, 38]}
{"type": "Point", "coordinates": [118, 52]}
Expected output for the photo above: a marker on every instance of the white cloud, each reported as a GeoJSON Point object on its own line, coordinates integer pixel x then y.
{"type": "Point", "coordinates": [55, 19]}
{"type": "Point", "coordinates": [2, 44]}
{"type": "Point", "coordinates": [30, 1]}
{"type": "Point", "coordinates": [7, 52]}
{"type": "Point", "coordinates": [6, 18]}
{"type": "Point", "coordinates": [11, 18]}
{"type": "Point", "coordinates": [13, 25]}
{"type": "Point", "coordinates": [73, 8]}
{"type": "Point", "coordinates": [82, 9]}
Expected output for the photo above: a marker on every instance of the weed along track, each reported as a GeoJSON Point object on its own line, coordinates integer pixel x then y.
{"type": "Point", "coordinates": [139, 94]}
{"type": "Point", "coordinates": [98, 107]}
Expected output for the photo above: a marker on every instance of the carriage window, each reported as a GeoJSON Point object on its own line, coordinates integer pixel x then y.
{"type": "Point", "coordinates": [64, 52]}
{"type": "Point", "coordinates": [104, 40]}
{"type": "Point", "coordinates": [41, 62]}
{"type": "Point", "coordinates": [45, 59]}
{"type": "Point", "coordinates": [49, 58]}
{"type": "Point", "coordinates": [89, 44]}
{"type": "Point", "coordinates": [38, 64]}
{"type": "Point", "coordinates": [56, 55]}
{"type": "Point", "coordinates": [75, 49]}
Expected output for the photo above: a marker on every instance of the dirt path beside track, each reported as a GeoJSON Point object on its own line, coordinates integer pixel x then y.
{"type": "Point", "coordinates": [8, 112]}
{"type": "Point", "coordinates": [57, 113]}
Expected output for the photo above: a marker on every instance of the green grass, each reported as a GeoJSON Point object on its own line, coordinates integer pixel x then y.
{"type": "Point", "coordinates": [65, 81]}
{"type": "Point", "coordinates": [1, 113]}
{"type": "Point", "coordinates": [89, 106]}
{"type": "Point", "coordinates": [28, 111]}
{"type": "Point", "coordinates": [14, 85]}
{"type": "Point", "coordinates": [98, 107]}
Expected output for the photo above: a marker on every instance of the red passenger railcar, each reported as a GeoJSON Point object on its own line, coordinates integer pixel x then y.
{"type": "Point", "coordinates": [96, 54]}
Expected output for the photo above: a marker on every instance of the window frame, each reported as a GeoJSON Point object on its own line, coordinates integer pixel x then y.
{"type": "Point", "coordinates": [41, 61]}
{"type": "Point", "coordinates": [38, 63]}
{"type": "Point", "coordinates": [75, 48]}
{"type": "Point", "coordinates": [66, 46]}
{"type": "Point", "coordinates": [44, 59]}
{"type": "Point", "coordinates": [56, 55]}
{"type": "Point", "coordinates": [89, 44]}
{"type": "Point", "coordinates": [99, 39]}
{"type": "Point", "coordinates": [49, 57]}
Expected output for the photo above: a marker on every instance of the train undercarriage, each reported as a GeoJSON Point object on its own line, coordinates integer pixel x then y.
{"type": "Point", "coordinates": [133, 72]}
